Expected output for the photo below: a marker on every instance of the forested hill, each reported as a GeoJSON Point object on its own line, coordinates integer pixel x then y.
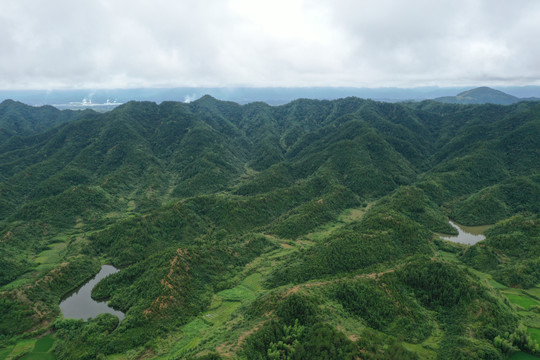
{"type": "Point", "coordinates": [19, 119]}
{"type": "Point", "coordinates": [251, 231]}
{"type": "Point", "coordinates": [481, 95]}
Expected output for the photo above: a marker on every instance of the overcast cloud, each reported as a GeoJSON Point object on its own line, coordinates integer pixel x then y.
{"type": "Point", "coordinates": [166, 43]}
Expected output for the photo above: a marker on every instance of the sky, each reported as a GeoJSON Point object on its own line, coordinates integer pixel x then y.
{"type": "Point", "coordinates": [105, 44]}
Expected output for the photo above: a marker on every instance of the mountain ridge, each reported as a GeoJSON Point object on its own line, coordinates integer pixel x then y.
{"type": "Point", "coordinates": [483, 95]}
{"type": "Point", "coordinates": [240, 227]}
{"type": "Point", "coordinates": [100, 99]}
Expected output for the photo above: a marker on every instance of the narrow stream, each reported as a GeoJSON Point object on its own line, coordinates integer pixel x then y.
{"type": "Point", "coordinates": [469, 235]}
{"type": "Point", "coordinates": [80, 304]}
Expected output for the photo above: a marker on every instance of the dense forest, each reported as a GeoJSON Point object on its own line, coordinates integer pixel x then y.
{"type": "Point", "coordinates": [311, 230]}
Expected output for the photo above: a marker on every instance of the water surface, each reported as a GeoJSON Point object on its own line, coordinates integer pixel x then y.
{"type": "Point", "coordinates": [469, 235]}
{"type": "Point", "coordinates": [80, 304]}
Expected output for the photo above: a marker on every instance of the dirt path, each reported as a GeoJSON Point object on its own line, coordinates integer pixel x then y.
{"type": "Point", "coordinates": [229, 350]}
{"type": "Point", "coordinates": [373, 276]}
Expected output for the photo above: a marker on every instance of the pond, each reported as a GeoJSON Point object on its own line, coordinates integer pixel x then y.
{"type": "Point", "coordinates": [469, 235]}
{"type": "Point", "coordinates": [80, 304]}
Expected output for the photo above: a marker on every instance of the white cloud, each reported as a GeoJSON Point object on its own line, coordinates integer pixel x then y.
{"type": "Point", "coordinates": [105, 43]}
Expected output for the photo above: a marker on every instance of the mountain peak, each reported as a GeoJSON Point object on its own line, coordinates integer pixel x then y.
{"type": "Point", "coordinates": [484, 91]}
{"type": "Point", "coordinates": [206, 98]}
{"type": "Point", "coordinates": [480, 95]}
{"type": "Point", "coordinates": [9, 102]}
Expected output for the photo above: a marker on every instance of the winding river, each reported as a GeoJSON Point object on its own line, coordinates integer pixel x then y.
{"type": "Point", "coordinates": [80, 304]}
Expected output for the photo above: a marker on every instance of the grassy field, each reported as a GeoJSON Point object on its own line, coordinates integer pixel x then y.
{"type": "Point", "coordinates": [523, 356]}
{"type": "Point", "coordinates": [488, 279]}
{"type": "Point", "coordinates": [20, 349]}
{"type": "Point", "coordinates": [30, 350]}
{"type": "Point", "coordinates": [48, 259]}
{"type": "Point", "coordinates": [534, 292]}
{"type": "Point", "coordinates": [44, 344]}
{"type": "Point", "coordinates": [535, 334]}
{"type": "Point", "coordinates": [520, 299]}
{"type": "Point", "coordinates": [346, 217]}
{"type": "Point", "coordinates": [44, 261]}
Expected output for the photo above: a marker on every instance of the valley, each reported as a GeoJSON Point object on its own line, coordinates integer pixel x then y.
{"type": "Point", "coordinates": [310, 230]}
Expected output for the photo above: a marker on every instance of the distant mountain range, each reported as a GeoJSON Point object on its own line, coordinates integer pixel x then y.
{"type": "Point", "coordinates": [483, 95]}
{"type": "Point", "coordinates": [107, 99]}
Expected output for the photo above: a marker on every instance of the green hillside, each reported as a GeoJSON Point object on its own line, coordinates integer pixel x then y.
{"type": "Point", "coordinates": [309, 230]}
{"type": "Point", "coordinates": [19, 120]}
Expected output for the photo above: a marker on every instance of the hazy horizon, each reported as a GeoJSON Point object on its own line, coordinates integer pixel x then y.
{"type": "Point", "coordinates": [92, 98]}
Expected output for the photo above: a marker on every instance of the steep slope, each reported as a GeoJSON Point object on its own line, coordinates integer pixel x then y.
{"type": "Point", "coordinates": [511, 252]}
{"type": "Point", "coordinates": [19, 119]}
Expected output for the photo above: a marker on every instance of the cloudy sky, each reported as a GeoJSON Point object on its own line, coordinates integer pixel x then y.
{"type": "Point", "coordinates": [58, 44]}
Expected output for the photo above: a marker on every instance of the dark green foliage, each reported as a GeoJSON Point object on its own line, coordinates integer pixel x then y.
{"type": "Point", "coordinates": [413, 203]}
{"type": "Point", "coordinates": [297, 308]}
{"type": "Point", "coordinates": [79, 202]}
{"type": "Point", "coordinates": [511, 251]}
{"type": "Point", "coordinates": [463, 305]}
{"type": "Point", "coordinates": [311, 215]}
{"type": "Point", "coordinates": [525, 273]}
{"type": "Point", "coordinates": [499, 201]}
{"type": "Point", "coordinates": [83, 340]}
{"type": "Point", "coordinates": [276, 333]}
{"type": "Point", "coordinates": [11, 265]}
{"type": "Point", "coordinates": [132, 240]}
{"type": "Point", "coordinates": [437, 284]}
{"type": "Point", "coordinates": [278, 176]}
{"type": "Point", "coordinates": [448, 246]}
{"type": "Point", "coordinates": [298, 334]}
{"type": "Point", "coordinates": [179, 195]}
{"type": "Point", "coordinates": [60, 281]}
{"type": "Point", "coordinates": [382, 235]}
{"type": "Point", "coordinates": [466, 174]}
{"type": "Point", "coordinates": [325, 342]}
{"type": "Point", "coordinates": [16, 316]}
{"type": "Point", "coordinates": [18, 119]}
{"type": "Point", "coordinates": [18, 307]}
{"type": "Point", "coordinates": [463, 348]}
{"type": "Point", "coordinates": [319, 341]}
{"type": "Point", "coordinates": [481, 257]}
{"type": "Point", "coordinates": [167, 287]}
{"type": "Point", "coordinates": [385, 308]}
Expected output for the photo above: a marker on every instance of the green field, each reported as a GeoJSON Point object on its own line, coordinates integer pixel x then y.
{"type": "Point", "coordinates": [49, 258]}
{"type": "Point", "coordinates": [535, 333]}
{"type": "Point", "coordinates": [20, 349]}
{"type": "Point", "coordinates": [517, 297]}
{"type": "Point", "coordinates": [39, 356]}
{"type": "Point", "coordinates": [523, 356]}
{"type": "Point", "coordinates": [30, 350]}
{"type": "Point", "coordinates": [44, 344]}
{"type": "Point", "coordinates": [4, 353]}
{"type": "Point", "coordinates": [535, 292]}
{"type": "Point", "coordinates": [487, 278]}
